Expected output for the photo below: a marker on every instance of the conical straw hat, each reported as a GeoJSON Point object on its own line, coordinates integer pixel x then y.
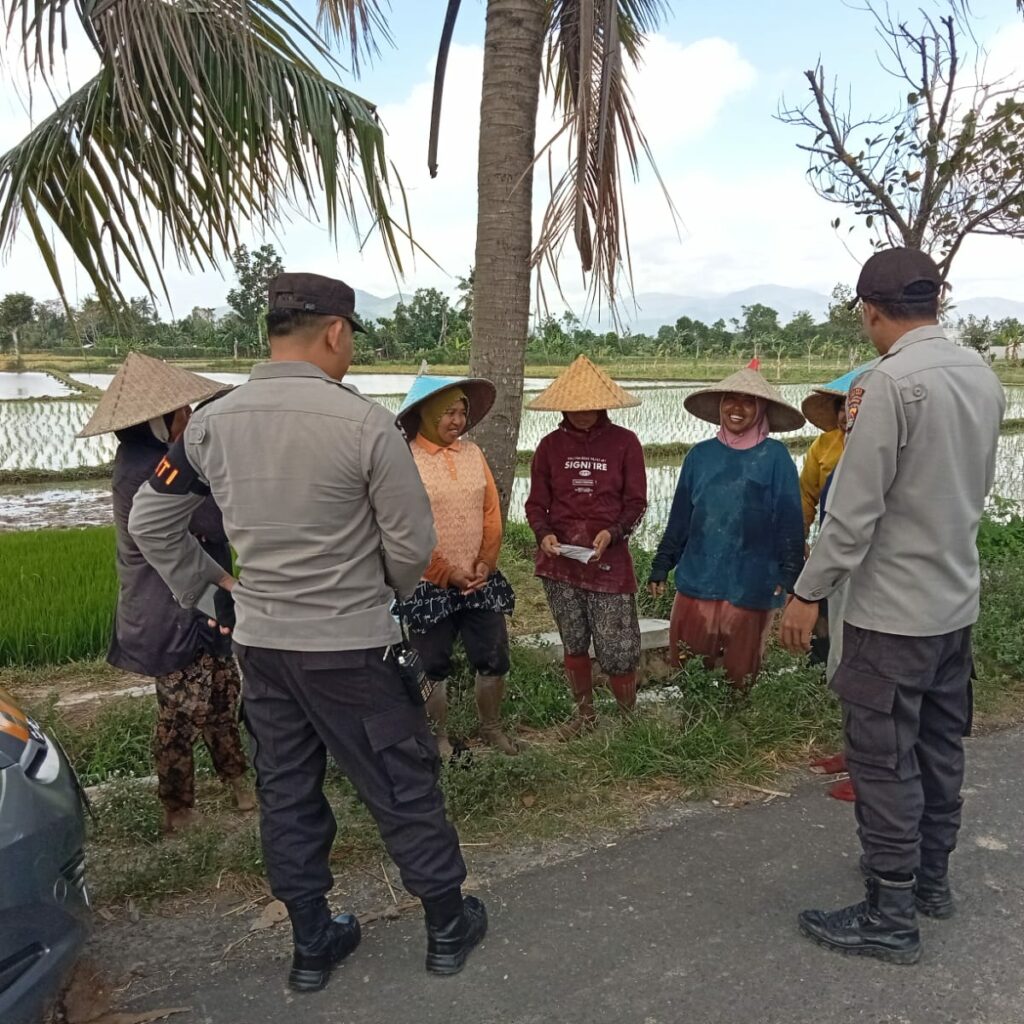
{"type": "Point", "coordinates": [706, 403]}
{"type": "Point", "coordinates": [582, 387]}
{"type": "Point", "coordinates": [820, 405]}
{"type": "Point", "coordinates": [143, 389]}
{"type": "Point", "coordinates": [480, 392]}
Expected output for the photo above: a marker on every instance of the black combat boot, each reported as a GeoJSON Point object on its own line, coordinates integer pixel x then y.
{"type": "Point", "coordinates": [450, 941]}
{"type": "Point", "coordinates": [883, 926]}
{"type": "Point", "coordinates": [321, 943]}
{"type": "Point", "coordinates": [932, 895]}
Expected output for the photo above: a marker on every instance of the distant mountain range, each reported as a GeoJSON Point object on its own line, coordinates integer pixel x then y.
{"type": "Point", "coordinates": [657, 308]}
{"type": "Point", "coordinates": [653, 309]}
{"type": "Point", "coordinates": [372, 307]}
{"type": "Point", "coordinates": [369, 307]}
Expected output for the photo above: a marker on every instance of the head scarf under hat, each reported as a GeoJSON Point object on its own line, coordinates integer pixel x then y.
{"type": "Point", "coordinates": [433, 409]}
{"type": "Point", "coordinates": [582, 387]}
{"type": "Point", "coordinates": [706, 403]}
{"type": "Point", "coordinates": [143, 390]}
{"type": "Point", "coordinates": [821, 406]}
{"type": "Point", "coordinates": [478, 392]}
{"type": "Point", "coordinates": [752, 436]}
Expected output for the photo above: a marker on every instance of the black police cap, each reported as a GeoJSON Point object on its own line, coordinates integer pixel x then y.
{"type": "Point", "coordinates": [315, 294]}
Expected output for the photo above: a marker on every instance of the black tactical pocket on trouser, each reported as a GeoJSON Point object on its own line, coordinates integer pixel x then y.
{"type": "Point", "coordinates": [868, 720]}
{"type": "Point", "coordinates": [401, 739]}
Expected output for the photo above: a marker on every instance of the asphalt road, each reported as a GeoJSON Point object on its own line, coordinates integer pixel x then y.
{"type": "Point", "coordinates": [691, 923]}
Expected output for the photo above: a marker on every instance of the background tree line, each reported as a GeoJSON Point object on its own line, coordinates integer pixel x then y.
{"type": "Point", "coordinates": [434, 327]}
{"type": "Point", "coordinates": [946, 163]}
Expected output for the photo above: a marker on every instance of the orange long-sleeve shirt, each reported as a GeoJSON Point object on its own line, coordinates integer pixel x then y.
{"type": "Point", "coordinates": [466, 507]}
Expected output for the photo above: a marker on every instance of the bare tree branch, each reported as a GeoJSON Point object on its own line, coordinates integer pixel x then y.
{"type": "Point", "coordinates": [946, 164]}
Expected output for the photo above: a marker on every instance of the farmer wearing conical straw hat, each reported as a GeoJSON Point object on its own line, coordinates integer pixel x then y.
{"type": "Point", "coordinates": [462, 594]}
{"type": "Point", "coordinates": [825, 407]}
{"type": "Point", "coordinates": [147, 406]}
{"type": "Point", "coordinates": [735, 533]}
{"type": "Point", "coordinates": [588, 492]}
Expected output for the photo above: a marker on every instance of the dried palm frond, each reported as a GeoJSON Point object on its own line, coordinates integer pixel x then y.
{"type": "Point", "coordinates": [450, 16]}
{"type": "Point", "coordinates": [204, 117]}
{"type": "Point", "coordinates": [40, 27]}
{"type": "Point", "coordinates": [359, 22]}
{"type": "Point", "coordinates": [585, 71]}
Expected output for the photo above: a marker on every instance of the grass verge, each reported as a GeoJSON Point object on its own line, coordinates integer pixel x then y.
{"type": "Point", "coordinates": [699, 737]}
{"type": "Point", "coordinates": [695, 737]}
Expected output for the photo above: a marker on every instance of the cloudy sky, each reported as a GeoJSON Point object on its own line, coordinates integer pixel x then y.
{"type": "Point", "coordinates": [706, 95]}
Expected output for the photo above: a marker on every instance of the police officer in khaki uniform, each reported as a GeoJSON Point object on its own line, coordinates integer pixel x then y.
{"type": "Point", "coordinates": [901, 527]}
{"type": "Point", "coordinates": [325, 509]}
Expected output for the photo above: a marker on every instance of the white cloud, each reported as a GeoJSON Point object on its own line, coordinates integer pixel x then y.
{"type": "Point", "coordinates": [20, 107]}
{"type": "Point", "coordinates": [750, 222]}
{"type": "Point", "coordinates": [1004, 53]}
{"type": "Point", "coordinates": [679, 91]}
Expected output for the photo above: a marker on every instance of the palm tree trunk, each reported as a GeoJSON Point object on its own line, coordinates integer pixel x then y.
{"type": "Point", "coordinates": [513, 49]}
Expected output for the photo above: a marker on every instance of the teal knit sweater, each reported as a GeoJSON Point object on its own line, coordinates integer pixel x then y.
{"type": "Point", "coordinates": [735, 531]}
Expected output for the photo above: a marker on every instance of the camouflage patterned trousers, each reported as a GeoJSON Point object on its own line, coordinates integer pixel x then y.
{"type": "Point", "coordinates": [199, 701]}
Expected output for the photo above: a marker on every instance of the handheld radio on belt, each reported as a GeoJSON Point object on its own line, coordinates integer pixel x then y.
{"type": "Point", "coordinates": [409, 663]}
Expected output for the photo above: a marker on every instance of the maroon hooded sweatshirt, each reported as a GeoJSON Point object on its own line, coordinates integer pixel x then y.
{"type": "Point", "coordinates": [582, 482]}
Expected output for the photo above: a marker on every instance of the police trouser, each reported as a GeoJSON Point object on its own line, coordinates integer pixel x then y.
{"type": "Point", "coordinates": [906, 708]}
{"type": "Point", "coordinates": [301, 706]}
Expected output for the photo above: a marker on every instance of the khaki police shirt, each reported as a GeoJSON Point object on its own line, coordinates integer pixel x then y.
{"type": "Point", "coordinates": [904, 507]}
{"type": "Point", "coordinates": [322, 504]}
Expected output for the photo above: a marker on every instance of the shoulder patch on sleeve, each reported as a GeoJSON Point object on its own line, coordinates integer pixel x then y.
{"type": "Point", "coordinates": [853, 401]}
{"type": "Point", "coordinates": [174, 474]}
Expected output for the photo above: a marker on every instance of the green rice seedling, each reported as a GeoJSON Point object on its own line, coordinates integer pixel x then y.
{"type": "Point", "coordinates": [58, 589]}
{"type": "Point", "coordinates": [41, 435]}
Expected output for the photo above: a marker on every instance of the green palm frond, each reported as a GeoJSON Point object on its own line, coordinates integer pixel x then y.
{"type": "Point", "coordinates": [205, 116]}
{"type": "Point", "coordinates": [357, 22]}
{"type": "Point", "coordinates": [589, 44]}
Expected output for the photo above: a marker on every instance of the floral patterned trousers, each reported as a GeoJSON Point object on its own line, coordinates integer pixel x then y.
{"type": "Point", "coordinates": [610, 620]}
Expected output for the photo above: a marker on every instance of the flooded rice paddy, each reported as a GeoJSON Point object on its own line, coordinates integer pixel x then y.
{"type": "Point", "coordinates": [38, 506]}
{"type": "Point", "coordinates": [375, 384]}
{"type": "Point", "coordinates": [31, 385]}
{"type": "Point", "coordinates": [39, 433]}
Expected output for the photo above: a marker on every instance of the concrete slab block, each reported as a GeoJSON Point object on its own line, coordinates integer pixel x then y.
{"type": "Point", "coordinates": [653, 637]}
